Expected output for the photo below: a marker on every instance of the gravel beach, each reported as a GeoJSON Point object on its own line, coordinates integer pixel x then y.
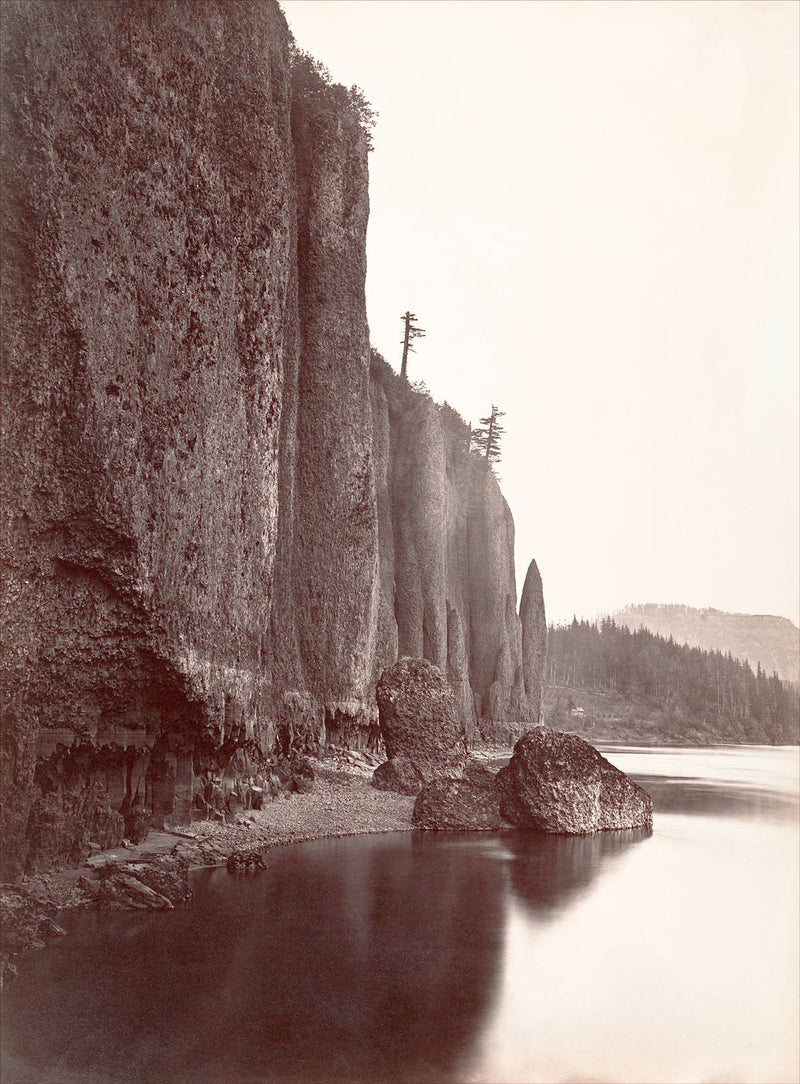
{"type": "Point", "coordinates": [341, 803]}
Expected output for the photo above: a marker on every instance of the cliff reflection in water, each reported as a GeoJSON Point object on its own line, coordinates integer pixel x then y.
{"type": "Point", "coordinates": [443, 958]}
{"type": "Point", "coordinates": [374, 958]}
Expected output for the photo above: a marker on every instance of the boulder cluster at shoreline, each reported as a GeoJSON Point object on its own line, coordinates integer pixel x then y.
{"type": "Point", "coordinates": [347, 798]}
{"type": "Point", "coordinates": [553, 783]}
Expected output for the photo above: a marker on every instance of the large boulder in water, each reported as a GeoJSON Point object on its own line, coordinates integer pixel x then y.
{"type": "Point", "coordinates": [419, 719]}
{"type": "Point", "coordinates": [398, 774]}
{"type": "Point", "coordinates": [457, 805]}
{"type": "Point", "coordinates": [559, 783]}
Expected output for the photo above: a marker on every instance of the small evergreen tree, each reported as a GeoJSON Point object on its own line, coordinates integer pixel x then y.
{"type": "Point", "coordinates": [487, 435]}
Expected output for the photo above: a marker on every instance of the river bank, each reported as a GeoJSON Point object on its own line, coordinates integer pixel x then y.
{"type": "Point", "coordinates": [409, 955]}
{"type": "Point", "coordinates": [154, 874]}
{"type": "Point", "coordinates": [341, 803]}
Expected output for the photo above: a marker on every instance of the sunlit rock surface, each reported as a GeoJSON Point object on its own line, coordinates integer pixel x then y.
{"type": "Point", "coordinates": [557, 782]}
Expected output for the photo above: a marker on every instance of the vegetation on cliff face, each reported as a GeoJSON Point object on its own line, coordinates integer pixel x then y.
{"type": "Point", "coordinates": [488, 435]}
{"type": "Point", "coordinates": [610, 683]}
{"type": "Point", "coordinates": [210, 533]}
{"type": "Point", "coordinates": [312, 83]}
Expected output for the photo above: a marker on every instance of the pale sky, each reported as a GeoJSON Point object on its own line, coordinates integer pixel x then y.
{"type": "Point", "coordinates": [593, 210]}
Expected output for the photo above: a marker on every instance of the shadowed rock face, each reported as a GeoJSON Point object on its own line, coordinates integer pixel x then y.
{"type": "Point", "coordinates": [220, 522]}
{"type": "Point", "coordinates": [334, 548]}
{"type": "Point", "coordinates": [398, 774]}
{"type": "Point", "coordinates": [559, 783]}
{"type": "Point", "coordinates": [457, 805]}
{"type": "Point", "coordinates": [418, 719]}
{"type": "Point", "coordinates": [149, 306]}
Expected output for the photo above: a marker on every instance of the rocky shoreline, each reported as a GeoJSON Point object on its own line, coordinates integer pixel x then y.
{"type": "Point", "coordinates": [553, 782]}
{"type": "Point", "coordinates": [154, 874]}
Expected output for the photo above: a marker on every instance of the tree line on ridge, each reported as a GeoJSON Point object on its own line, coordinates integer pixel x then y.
{"type": "Point", "coordinates": [693, 690]}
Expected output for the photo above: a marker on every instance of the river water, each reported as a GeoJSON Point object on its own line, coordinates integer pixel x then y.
{"type": "Point", "coordinates": [516, 957]}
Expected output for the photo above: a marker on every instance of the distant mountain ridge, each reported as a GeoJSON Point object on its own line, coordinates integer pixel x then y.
{"type": "Point", "coordinates": [772, 642]}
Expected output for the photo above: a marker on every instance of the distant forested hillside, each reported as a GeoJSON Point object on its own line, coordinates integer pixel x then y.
{"type": "Point", "coordinates": [612, 683]}
{"type": "Point", "coordinates": [772, 642]}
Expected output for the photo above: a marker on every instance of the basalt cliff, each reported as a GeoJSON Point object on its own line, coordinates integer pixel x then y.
{"type": "Point", "coordinates": [222, 515]}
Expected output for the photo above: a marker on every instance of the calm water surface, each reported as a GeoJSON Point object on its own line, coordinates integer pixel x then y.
{"type": "Point", "coordinates": [648, 958]}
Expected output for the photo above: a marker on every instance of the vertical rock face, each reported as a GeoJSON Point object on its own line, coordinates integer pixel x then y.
{"type": "Point", "coordinates": [418, 507]}
{"type": "Point", "coordinates": [220, 523]}
{"type": "Point", "coordinates": [495, 628]}
{"type": "Point", "coordinates": [149, 220]}
{"type": "Point", "coordinates": [449, 561]}
{"type": "Point", "coordinates": [458, 670]}
{"type": "Point", "coordinates": [534, 639]}
{"type": "Point", "coordinates": [385, 652]}
{"type": "Point", "coordinates": [334, 550]}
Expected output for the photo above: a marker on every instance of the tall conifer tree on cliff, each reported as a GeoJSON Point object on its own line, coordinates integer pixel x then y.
{"type": "Point", "coordinates": [411, 332]}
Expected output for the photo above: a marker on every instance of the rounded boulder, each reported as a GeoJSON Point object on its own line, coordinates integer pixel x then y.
{"type": "Point", "coordinates": [558, 782]}
{"type": "Point", "coordinates": [419, 719]}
